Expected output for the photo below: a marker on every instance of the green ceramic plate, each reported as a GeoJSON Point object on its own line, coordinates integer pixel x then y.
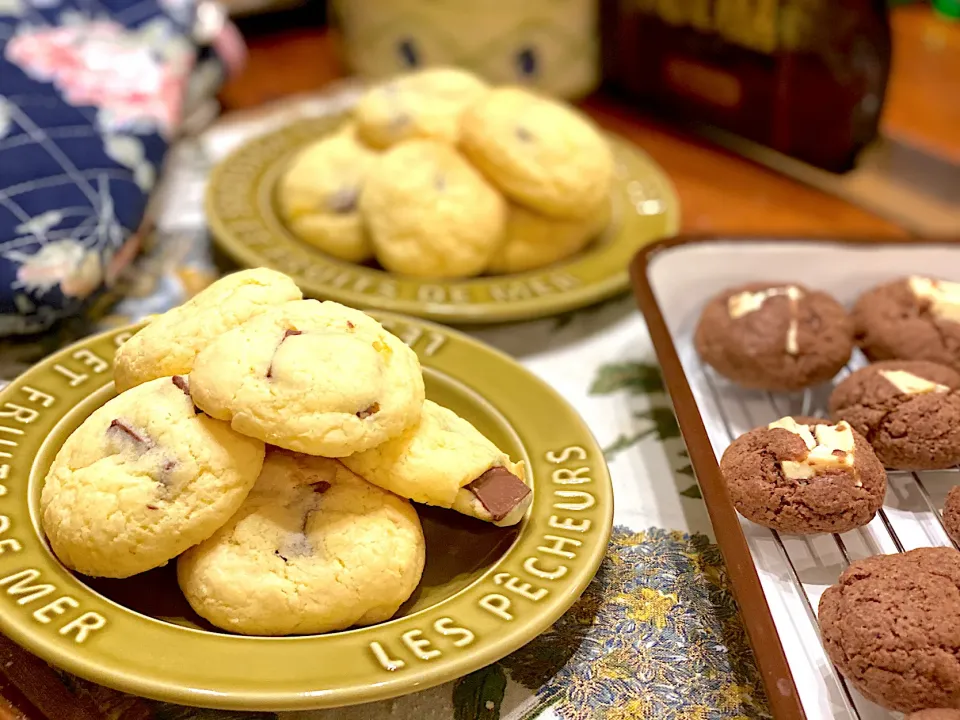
{"type": "Point", "coordinates": [485, 591]}
{"type": "Point", "coordinates": [245, 225]}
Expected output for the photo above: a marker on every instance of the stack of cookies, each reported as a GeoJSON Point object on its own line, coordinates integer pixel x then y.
{"type": "Point", "coordinates": [439, 175]}
{"type": "Point", "coordinates": [892, 622]}
{"type": "Point", "coordinates": [273, 445]}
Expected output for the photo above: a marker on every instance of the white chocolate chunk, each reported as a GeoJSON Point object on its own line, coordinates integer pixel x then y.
{"type": "Point", "coordinates": [788, 423]}
{"type": "Point", "coordinates": [793, 470]}
{"type": "Point", "coordinates": [829, 446]}
{"type": "Point", "coordinates": [910, 384]}
{"type": "Point", "coordinates": [835, 437]}
{"type": "Point", "coordinates": [747, 302]}
{"type": "Point", "coordinates": [944, 296]}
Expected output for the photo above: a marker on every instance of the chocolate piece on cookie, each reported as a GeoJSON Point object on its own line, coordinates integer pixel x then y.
{"type": "Point", "coordinates": [774, 336]}
{"type": "Point", "coordinates": [444, 461]}
{"type": "Point", "coordinates": [914, 318]}
{"type": "Point", "coordinates": [891, 625]}
{"type": "Point", "coordinates": [908, 410]}
{"type": "Point", "coordinates": [804, 476]}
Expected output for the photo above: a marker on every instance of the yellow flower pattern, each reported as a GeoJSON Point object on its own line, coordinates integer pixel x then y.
{"type": "Point", "coordinates": [664, 640]}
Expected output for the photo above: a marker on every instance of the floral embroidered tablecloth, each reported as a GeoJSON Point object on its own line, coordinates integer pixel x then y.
{"type": "Point", "coordinates": [656, 635]}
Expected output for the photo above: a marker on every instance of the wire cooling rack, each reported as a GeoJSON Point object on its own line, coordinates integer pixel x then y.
{"type": "Point", "coordinates": [795, 570]}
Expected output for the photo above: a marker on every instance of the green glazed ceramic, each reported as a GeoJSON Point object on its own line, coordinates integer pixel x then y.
{"type": "Point", "coordinates": [246, 226]}
{"type": "Point", "coordinates": [485, 591]}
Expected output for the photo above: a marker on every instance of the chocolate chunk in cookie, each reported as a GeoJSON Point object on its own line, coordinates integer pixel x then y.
{"type": "Point", "coordinates": [801, 475]}
{"type": "Point", "coordinates": [914, 318]}
{"type": "Point", "coordinates": [773, 336]}
{"type": "Point", "coordinates": [891, 625]}
{"type": "Point", "coordinates": [908, 410]}
{"type": "Point", "coordinates": [500, 491]}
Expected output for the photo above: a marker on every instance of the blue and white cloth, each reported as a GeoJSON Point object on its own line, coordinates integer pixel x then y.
{"type": "Point", "coordinates": [90, 96]}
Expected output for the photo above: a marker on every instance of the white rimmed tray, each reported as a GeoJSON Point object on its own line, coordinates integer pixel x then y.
{"type": "Point", "coordinates": [681, 276]}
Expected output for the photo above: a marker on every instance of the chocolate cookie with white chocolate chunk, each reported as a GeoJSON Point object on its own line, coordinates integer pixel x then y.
{"type": "Point", "coordinates": [774, 336]}
{"type": "Point", "coordinates": [913, 318]}
{"type": "Point", "coordinates": [804, 476]}
{"type": "Point", "coordinates": [909, 412]}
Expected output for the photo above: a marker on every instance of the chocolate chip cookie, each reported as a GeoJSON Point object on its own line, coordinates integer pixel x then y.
{"type": "Point", "coordinates": [314, 548]}
{"type": "Point", "coordinates": [774, 336]}
{"type": "Point", "coordinates": [908, 410]}
{"type": "Point", "coordinates": [318, 378]}
{"type": "Point", "coordinates": [319, 194]}
{"type": "Point", "coordinates": [142, 479]}
{"type": "Point", "coordinates": [804, 476]}
{"type": "Point", "coordinates": [445, 461]}
{"type": "Point", "coordinates": [891, 625]}
{"type": "Point", "coordinates": [424, 104]}
{"type": "Point", "coordinates": [540, 153]}
{"type": "Point", "coordinates": [169, 344]}
{"type": "Point", "coordinates": [430, 213]}
{"type": "Point", "coordinates": [913, 318]}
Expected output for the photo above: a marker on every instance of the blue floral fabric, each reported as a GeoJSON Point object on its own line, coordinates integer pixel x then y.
{"type": "Point", "coordinates": [90, 95]}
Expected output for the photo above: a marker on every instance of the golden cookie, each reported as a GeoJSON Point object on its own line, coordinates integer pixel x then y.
{"type": "Point", "coordinates": [430, 213]}
{"type": "Point", "coordinates": [313, 377]}
{"type": "Point", "coordinates": [313, 549]}
{"type": "Point", "coordinates": [142, 479]}
{"type": "Point", "coordinates": [445, 461]}
{"type": "Point", "coordinates": [169, 344]}
{"type": "Point", "coordinates": [533, 240]}
{"type": "Point", "coordinates": [317, 196]}
{"type": "Point", "coordinates": [541, 153]}
{"type": "Point", "coordinates": [424, 104]}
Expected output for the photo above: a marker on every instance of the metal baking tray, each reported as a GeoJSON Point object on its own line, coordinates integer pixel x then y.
{"type": "Point", "coordinates": [778, 578]}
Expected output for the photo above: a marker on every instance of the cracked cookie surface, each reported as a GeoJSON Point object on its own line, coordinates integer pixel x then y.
{"type": "Point", "coordinates": [913, 318]}
{"type": "Point", "coordinates": [169, 344]}
{"type": "Point", "coordinates": [317, 378]}
{"type": "Point", "coordinates": [445, 461]}
{"type": "Point", "coordinates": [908, 410]}
{"type": "Point", "coordinates": [803, 475]}
{"type": "Point", "coordinates": [891, 625]}
{"type": "Point", "coordinates": [774, 336]}
{"type": "Point", "coordinates": [313, 549]}
{"type": "Point", "coordinates": [142, 479]}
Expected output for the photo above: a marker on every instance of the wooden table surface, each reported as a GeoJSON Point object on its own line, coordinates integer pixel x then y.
{"type": "Point", "coordinates": [719, 192]}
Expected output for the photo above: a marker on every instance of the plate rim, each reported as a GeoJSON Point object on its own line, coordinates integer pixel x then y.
{"type": "Point", "coordinates": [423, 677]}
{"type": "Point", "coordinates": [466, 314]}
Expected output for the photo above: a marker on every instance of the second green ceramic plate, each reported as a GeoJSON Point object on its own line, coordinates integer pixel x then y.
{"type": "Point", "coordinates": [485, 591]}
{"type": "Point", "coordinates": [245, 225]}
